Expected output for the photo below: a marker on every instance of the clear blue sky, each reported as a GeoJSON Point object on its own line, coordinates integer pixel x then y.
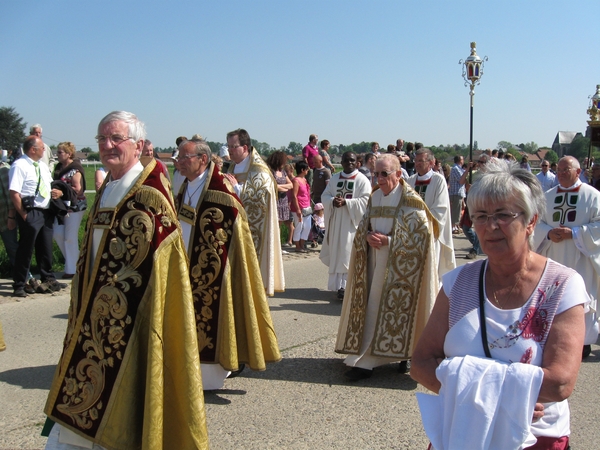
{"type": "Point", "coordinates": [349, 71]}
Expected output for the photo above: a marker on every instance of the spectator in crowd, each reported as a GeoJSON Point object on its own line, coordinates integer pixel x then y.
{"type": "Point", "coordinates": [218, 161]}
{"type": "Point", "coordinates": [233, 321]}
{"type": "Point", "coordinates": [525, 163]}
{"type": "Point", "coordinates": [70, 171]}
{"type": "Point", "coordinates": [324, 152]}
{"type": "Point", "coordinates": [289, 171]}
{"type": "Point", "coordinates": [321, 176]}
{"type": "Point", "coordinates": [29, 186]}
{"type": "Point", "coordinates": [309, 151]}
{"type": "Point", "coordinates": [256, 188]}
{"type": "Point", "coordinates": [546, 178]}
{"type": "Point", "coordinates": [595, 181]}
{"type": "Point", "coordinates": [375, 148]}
{"type": "Point", "coordinates": [370, 160]}
{"type": "Point", "coordinates": [148, 151]}
{"type": "Point", "coordinates": [553, 168]}
{"type": "Point", "coordinates": [129, 376]}
{"type": "Point", "coordinates": [99, 177]}
{"type": "Point", "coordinates": [409, 164]}
{"type": "Point", "coordinates": [568, 233]}
{"type": "Point", "coordinates": [446, 172]}
{"type": "Point", "coordinates": [178, 178]}
{"type": "Point", "coordinates": [533, 308]}
{"type": "Point", "coordinates": [345, 200]}
{"type": "Point", "coordinates": [388, 263]}
{"type": "Point", "coordinates": [456, 192]}
{"type": "Point", "coordinates": [276, 161]}
{"type": "Point", "coordinates": [47, 157]}
{"type": "Point", "coordinates": [301, 210]}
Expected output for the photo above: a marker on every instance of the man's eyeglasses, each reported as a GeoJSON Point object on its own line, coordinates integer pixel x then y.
{"type": "Point", "coordinates": [501, 218]}
{"type": "Point", "coordinates": [187, 157]}
{"type": "Point", "coordinates": [568, 169]}
{"type": "Point", "coordinates": [116, 139]}
{"type": "Point", "coordinates": [233, 147]}
{"type": "Point", "coordinates": [383, 174]}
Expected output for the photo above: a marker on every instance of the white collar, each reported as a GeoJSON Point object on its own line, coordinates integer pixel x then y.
{"type": "Point", "coordinates": [425, 177]}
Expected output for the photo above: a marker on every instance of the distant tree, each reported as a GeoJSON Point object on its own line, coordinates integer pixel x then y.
{"type": "Point", "coordinates": [86, 150]}
{"type": "Point", "coordinates": [475, 146]}
{"type": "Point", "coordinates": [294, 148]}
{"type": "Point", "coordinates": [12, 128]}
{"type": "Point", "coordinates": [580, 148]}
{"type": "Point", "coordinates": [530, 147]}
{"type": "Point", "coordinates": [95, 156]}
{"type": "Point", "coordinates": [504, 145]}
{"type": "Point", "coordinates": [551, 156]}
{"type": "Point", "coordinates": [215, 147]}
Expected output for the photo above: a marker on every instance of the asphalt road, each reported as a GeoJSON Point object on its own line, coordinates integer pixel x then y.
{"type": "Point", "coordinates": [301, 402]}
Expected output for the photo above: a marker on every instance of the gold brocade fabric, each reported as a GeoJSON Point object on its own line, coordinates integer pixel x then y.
{"type": "Point", "coordinates": [233, 320]}
{"type": "Point", "coordinates": [129, 376]}
{"type": "Point", "coordinates": [259, 198]}
{"type": "Point", "coordinates": [410, 284]}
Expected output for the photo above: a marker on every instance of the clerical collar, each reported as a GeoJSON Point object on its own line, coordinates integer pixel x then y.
{"type": "Point", "coordinates": [425, 177]}
{"type": "Point", "coordinates": [348, 175]}
{"type": "Point", "coordinates": [115, 190]}
{"type": "Point", "coordinates": [576, 185]}
{"type": "Point", "coordinates": [244, 165]}
{"type": "Point", "coordinates": [194, 189]}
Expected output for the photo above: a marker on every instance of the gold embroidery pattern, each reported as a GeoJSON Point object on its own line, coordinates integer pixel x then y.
{"type": "Point", "coordinates": [256, 198]}
{"type": "Point", "coordinates": [399, 297]}
{"type": "Point", "coordinates": [206, 272]}
{"type": "Point", "coordinates": [103, 338]}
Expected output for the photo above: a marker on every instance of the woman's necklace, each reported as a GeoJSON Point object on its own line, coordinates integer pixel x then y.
{"type": "Point", "coordinates": [511, 289]}
{"type": "Point", "coordinates": [189, 202]}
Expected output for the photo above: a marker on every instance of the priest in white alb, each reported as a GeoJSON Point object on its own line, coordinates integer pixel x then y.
{"type": "Point", "coordinates": [345, 201]}
{"type": "Point", "coordinates": [433, 189]}
{"type": "Point", "coordinates": [569, 233]}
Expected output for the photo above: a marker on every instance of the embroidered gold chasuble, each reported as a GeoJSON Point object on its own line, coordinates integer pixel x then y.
{"type": "Point", "coordinates": [233, 320]}
{"type": "Point", "coordinates": [129, 376]}
{"type": "Point", "coordinates": [259, 198]}
{"type": "Point", "coordinates": [409, 286]}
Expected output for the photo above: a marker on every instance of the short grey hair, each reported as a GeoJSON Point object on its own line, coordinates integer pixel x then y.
{"type": "Point", "coordinates": [425, 151]}
{"type": "Point", "coordinates": [506, 181]}
{"type": "Point", "coordinates": [200, 147]}
{"type": "Point", "coordinates": [137, 129]}
{"type": "Point", "coordinates": [33, 127]}
{"type": "Point", "coordinates": [392, 159]}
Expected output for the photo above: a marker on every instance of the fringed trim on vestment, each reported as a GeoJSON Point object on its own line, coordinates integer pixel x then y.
{"type": "Point", "coordinates": [152, 198]}
{"type": "Point", "coordinates": [225, 199]}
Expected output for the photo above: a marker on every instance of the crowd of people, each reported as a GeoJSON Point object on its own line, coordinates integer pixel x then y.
{"type": "Point", "coordinates": [170, 284]}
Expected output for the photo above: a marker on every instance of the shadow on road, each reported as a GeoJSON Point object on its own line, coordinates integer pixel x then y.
{"type": "Point", "coordinates": [330, 371]}
{"type": "Point", "coordinates": [316, 302]}
{"type": "Point", "coordinates": [30, 377]}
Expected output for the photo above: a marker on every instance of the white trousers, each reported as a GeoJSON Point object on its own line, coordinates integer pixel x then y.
{"type": "Point", "coordinates": [67, 239]}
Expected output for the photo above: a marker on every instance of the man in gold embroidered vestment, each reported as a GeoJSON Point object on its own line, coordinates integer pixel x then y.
{"type": "Point", "coordinates": [392, 280]}
{"type": "Point", "coordinates": [233, 320]}
{"type": "Point", "coordinates": [256, 187]}
{"type": "Point", "coordinates": [129, 376]}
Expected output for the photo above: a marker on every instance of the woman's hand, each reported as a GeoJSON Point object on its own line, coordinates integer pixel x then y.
{"type": "Point", "coordinates": [538, 412]}
{"type": "Point", "coordinates": [56, 193]}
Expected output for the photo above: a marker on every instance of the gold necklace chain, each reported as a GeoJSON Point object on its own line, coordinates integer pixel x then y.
{"type": "Point", "coordinates": [511, 289]}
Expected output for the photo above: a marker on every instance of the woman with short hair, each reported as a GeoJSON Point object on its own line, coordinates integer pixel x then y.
{"type": "Point", "coordinates": [515, 319]}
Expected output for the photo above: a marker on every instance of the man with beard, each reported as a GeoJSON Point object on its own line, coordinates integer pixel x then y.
{"type": "Point", "coordinates": [344, 199]}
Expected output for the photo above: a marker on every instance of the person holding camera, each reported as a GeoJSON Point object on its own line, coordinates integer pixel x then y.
{"type": "Point", "coordinates": [70, 171]}
{"type": "Point", "coordinates": [29, 188]}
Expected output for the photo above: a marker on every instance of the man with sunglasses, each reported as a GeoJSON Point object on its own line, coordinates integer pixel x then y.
{"type": "Point", "coordinates": [569, 233]}
{"type": "Point", "coordinates": [229, 301]}
{"type": "Point", "coordinates": [344, 200]}
{"type": "Point", "coordinates": [129, 375]}
{"type": "Point", "coordinates": [546, 178]}
{"type": "Point", "coordinates": [392, 281]}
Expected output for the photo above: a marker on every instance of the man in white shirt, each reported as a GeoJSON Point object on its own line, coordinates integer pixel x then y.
{"type": "Point", "coordinates": [546, 178]}
{"type": "Point", "coordinates": [30, 192]}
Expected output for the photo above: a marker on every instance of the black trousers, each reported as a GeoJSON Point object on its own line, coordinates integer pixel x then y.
{"type": "Point", "coordinates": [34, 234]}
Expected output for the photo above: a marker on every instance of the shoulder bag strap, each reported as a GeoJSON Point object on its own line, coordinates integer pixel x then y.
{"type": "Point", "coordinates": [482, 312]}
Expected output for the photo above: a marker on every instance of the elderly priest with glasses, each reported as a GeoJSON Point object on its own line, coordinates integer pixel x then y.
{"type": "Point", "coordinates": [393, 281]}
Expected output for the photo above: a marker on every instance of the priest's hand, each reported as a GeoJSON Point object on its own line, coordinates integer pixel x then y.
{"type": "Point", "coordinates": [377, 240]}
{"type": "Point", "coordinates": [338, 202]}
{"type": "Point", "coordinates": [560, 234]}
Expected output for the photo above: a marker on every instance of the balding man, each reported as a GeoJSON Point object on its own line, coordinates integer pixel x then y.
{"type": "Point", "coordinates": [48, 156]}
{"type": "Point", "coordinates": [569, 233]}
{"type": "Point", "coordinates": [392, 280]}
{"type": "Point", "coordinates": [233, 320]}
{"type": "Point", "coordinates": [546, 178]}
{"type": "Point", "coordinates": [30, 193]}
{"type": "Point", "coordinates": [148, 152]}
